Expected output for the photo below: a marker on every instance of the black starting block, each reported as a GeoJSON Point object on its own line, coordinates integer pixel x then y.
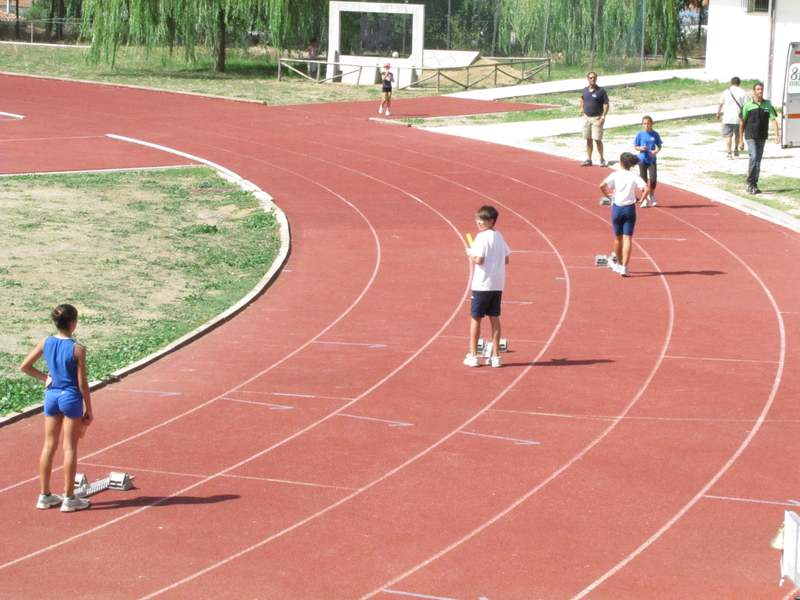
{"type": "Point", "coordinates": [605, 201]}
{"type": "Point", "coordinates": [115, 481]}
{"type": "Point", "coordinates": [485, 347]}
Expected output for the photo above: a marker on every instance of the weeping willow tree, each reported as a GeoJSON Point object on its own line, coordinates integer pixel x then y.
{"type": "Point", "coordinates": [190, 23]}
{"type": "Point", "coordinates": [567, 27]}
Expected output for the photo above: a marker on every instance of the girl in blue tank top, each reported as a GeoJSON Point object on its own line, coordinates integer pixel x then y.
{"type": "Point", "coordinates": [67, 405]}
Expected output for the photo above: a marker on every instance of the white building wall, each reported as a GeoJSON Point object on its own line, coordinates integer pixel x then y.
{"type": "Point", "coordinates": [739, 43]}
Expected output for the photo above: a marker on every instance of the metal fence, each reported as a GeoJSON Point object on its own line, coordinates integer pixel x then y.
{"type": "Point", "coordinates": [516, 70]}
{"type": "Point", "coordinates": [34, 30]}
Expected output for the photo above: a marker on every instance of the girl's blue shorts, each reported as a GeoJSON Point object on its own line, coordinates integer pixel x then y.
{"type": "Point", "coordinates": [67, 402]}
{"type": "Point", "coordinates": [623, 219]}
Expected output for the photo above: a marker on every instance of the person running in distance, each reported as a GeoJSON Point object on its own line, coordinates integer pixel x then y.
{"type": "Point", "coordinates": [620, 187]}
{"type": "Point", "coordinates": [648, 144]}
{"type": "Point", "coordinates": [386, 90]}
{"type": "Point", "coordinates": [489, 253]}
{"type": "Point", "coordinates": [67, 405]}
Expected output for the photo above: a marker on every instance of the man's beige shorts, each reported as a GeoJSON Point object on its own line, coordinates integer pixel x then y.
{"type": "Point", "coordinates": [592, 128]}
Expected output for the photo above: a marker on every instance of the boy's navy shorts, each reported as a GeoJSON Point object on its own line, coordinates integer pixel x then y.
{"type": "Point", "coordinates": [485, 303]}
{"type": "Point", "coordinates": [66, 401]}
{"type": "Point", "coordinates": [623, 219]}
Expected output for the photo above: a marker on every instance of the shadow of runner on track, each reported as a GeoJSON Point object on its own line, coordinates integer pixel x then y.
{"type": "Point", "coordinates": [142, 501]}
{"type": "Point", "coordinates": [566, 362]}
{"type": "Point", "coordinates": [666, 273]}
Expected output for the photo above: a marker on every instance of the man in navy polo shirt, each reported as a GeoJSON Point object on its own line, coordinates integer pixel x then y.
{"type": "Point", "coordinates": [754, 127]}
{"type": "Point", "coordinates": [594, 107]}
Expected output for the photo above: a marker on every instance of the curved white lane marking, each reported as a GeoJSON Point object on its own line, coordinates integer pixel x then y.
{"type": "Point", "coordinates": [422, 453]}
{"type": "Point", "coordinates": [746, 442]}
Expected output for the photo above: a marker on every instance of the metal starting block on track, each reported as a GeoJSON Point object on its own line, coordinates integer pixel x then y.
{"type": "Point", "coordinates": [485, 347]}
{"type": "Point", "coordinates": [115, 481]}
{"type": "Point", "coordinates": [601, 260]}
{"type": "Point", "coordinates": [606, 201]}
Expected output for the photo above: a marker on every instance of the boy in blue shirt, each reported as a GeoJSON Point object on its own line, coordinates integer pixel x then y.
{"type": "Point", "coordinates": [648, 143]}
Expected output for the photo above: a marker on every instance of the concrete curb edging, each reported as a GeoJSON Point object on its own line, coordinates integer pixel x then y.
{"type": "Point", "coordinates": [267, 280]}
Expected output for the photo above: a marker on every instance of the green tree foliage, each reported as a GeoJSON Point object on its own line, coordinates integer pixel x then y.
{"type": "Point", "coordinates": [571, 24]}
{"type": "Point", "coordinates": [499, 27]}
{"type": "Point", "coordinates": [188, 23]}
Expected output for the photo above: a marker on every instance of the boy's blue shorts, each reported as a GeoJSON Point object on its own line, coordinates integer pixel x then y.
{"type": "Point", "coordinates": [66, 401]}
{"type": "Point", "coordinates": [623, 219]}
{"type": "Point", "coordinates": [485, 303]}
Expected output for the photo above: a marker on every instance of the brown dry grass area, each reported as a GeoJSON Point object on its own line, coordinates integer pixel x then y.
{"type": "Point", "coordinates": [79, 245]}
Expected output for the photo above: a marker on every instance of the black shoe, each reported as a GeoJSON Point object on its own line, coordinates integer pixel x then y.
{"type": "Point", "coordinates": [756, 190]}
{"type": "Point", "coordinates": [586, 163]}
{"type": "Point", "coordinates": [602, 162]}
{"type": "Point", "coordinates": [751, 189]}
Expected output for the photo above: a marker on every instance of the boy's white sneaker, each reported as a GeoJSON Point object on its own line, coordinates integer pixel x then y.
{"type": "Point", "coordinates": [644, 203]}
{"type": "Point", "coordinates": [623, 270]}
{"type": "Point", "coordinates": [494, 361]}
{"type": "Point", "coordinates": [48, 501]}
{"type": "Point", "coordinates": [471, 361]}
{"type": "Point", "coordinates": [380, 109]}
{"type": "Point", "coordinates": [387, 112]}
{"type": "Point", "coordinates": [73, 504]}
{"type": "Point", "coordinates": [653, 201]}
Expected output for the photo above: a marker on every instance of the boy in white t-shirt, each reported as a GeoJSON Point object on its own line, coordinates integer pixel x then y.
{"type": "Point", "coordinates": [489, 253]}
{"type": "Point", "coordinates": [620, 187]}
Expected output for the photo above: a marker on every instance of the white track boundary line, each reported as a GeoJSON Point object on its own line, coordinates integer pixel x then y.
{"type": "Point", "coordinates": [760, 420]}
{"type": "Point", "coordinates": [602, 435]}
{"type": "Point", "coordinates": [232, 390]}
{"type": "Point", "coordinates": [745, 443]}
{"type": "Point", "coordinates": [423, 452]}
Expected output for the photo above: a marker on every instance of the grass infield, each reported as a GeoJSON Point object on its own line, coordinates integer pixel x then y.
{"type": "Point", "coordinates": [145, 257]}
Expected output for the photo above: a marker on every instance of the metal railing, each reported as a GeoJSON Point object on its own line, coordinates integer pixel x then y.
{"type": "Point", "coordinates": [32, 27]}
{"type": "Point", "coordinates": [491, 70]}
{"type": "Point", "coordinates": [474, 74]}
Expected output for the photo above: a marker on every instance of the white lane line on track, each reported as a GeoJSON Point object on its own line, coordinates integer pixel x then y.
{"type": "Point", "coordinates": [456, 310]}
{"type": "Point", "coordinates": [287, 394]}
{"type": "Point", "coordinates": [601, 436]}
{"type": "Point", "coordinates": [425, 596]}
{"type": "Point", "coordinates": [785, 503]}
{"type": "Point", "coordinates": [497, 437]}
{"type": "Point", "coordinates": [759, 421]}
{"type": "Point", "coordinates": [423, 452]}
{"type": "Point", "coordinates": [631, 418]}
{"type": "Point", "coordinates": [594, 442]}
{"type": "Point", "coordinates": [351, 344]}
{"type": "Point", "coordinates": [232, 390]}
{"type": "Point", "coordinates": [53, 139]}
{"type": "Point", "coordinates": [134, 469]}
{"type": "Point", "coordinates": [391, 423]}
{"type": "Point", "coordinates": [745, 443]}
{"type": "Point", "coordinates": [267, 404]}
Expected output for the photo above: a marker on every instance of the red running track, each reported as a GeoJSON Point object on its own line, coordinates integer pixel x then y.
{"type": "Point", "coordinates": [327, 443]}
